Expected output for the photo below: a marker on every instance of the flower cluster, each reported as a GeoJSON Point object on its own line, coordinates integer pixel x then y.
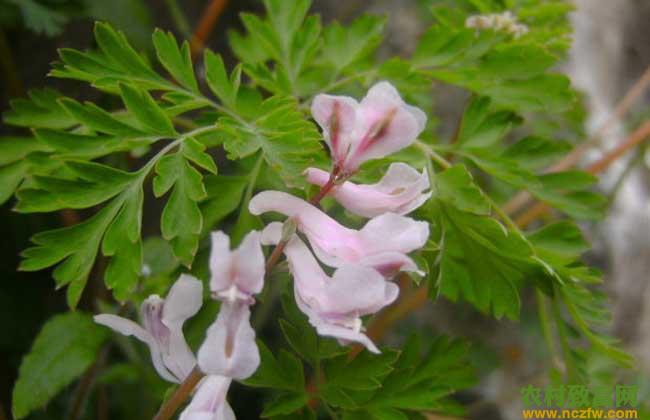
{"type": "Point", "coordinates": [505, 22]}
{"type": "Point", "coordinates": [229, 350]}
{"type": "Point", "coordinates": [364, 260]}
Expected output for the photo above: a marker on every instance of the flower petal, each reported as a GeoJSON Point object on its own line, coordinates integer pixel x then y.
{"type": "Point", "coordinates": [182, 302]}
{"type": "Point", "coordinates": [248, 261]}
{"type": "Point", "coordinates": [123, 326]}
{"type": "Point", "coordinates": [220, 261]}
{"type": "Point", "coordinates": [209, 401]}
{"type": "Point", "coordinates": [391, 232]}
{"type": "Point", "coordinates": [400, 191]}
{"type": "Point", "coordinates": [229, 348]}
{"type": "Point", "coordinates": [358, 290]}
{"type": "Point", "coordinates": [334, 244]}
{"type": "Point", "coordinates": [336, 115]}
{"type": "Point", "coordinates": [385, 124]}
{"type": "Point", "coordinates": [346, 335]}
{"type": "Point", "coordinates": [128, 327]}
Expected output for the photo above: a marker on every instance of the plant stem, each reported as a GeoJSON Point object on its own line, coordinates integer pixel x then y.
{"type": "Point", "coordinates": [205, 26]}
{"type": "Point", "coordinates": [168, 409]}
{"type": "Point", "coordinates": [637, 137]}
{"type": "Point", "coordinates": [521, 199]}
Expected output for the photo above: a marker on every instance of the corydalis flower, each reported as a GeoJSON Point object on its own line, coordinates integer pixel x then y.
{"type": "Point", "coordinates": [334, 305]}
{"type": "Point", "coordinates": [162, 327]}
{"type": "Point", "coordinates": [378, 126]}
{"type": "Point", "coordinates": [384, 240]}
{"type": "Point", "coordinates": [209, 401]}
{"type": "Point", "coordinates": [229, 348]}
{"type": "Point", "coordinates": [239, 274]}
{"type": "Point", "coordinates": [400, 191]}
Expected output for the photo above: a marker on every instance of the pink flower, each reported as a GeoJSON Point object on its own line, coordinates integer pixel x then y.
{"type": "Point", "coordinates": [239, 274]}
{"type": "Point", "coordinates": [209, 401]}
{"type": "Point", "coordinates": [378, 126]}
{"type": "Point", "coordinates": [389, 234]}
{"type": "Point", "coordinates": [400, 191]}
{"type": "Point", "coordinates": [162, 327]}
{"type": "Point", "coordinates": [335, 305]}
{"type": "Point", "coordinates": [229, 348]}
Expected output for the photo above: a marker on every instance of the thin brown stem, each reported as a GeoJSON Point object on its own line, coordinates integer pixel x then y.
{"type": "Point", "coordinates": [633, 140]}
{"type": "Point", "coordinates": [521, 199]}
{"type": "Point", "coordinates": [2, 412]}
{"type": "Point", "coordinates": [170, 406]}
{"type": "Point", "coordinates": [181, 394]}
{"type": "Point", "coordinates": [205, 26]}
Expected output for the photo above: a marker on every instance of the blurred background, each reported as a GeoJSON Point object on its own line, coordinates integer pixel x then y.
{"type": "Point", "coordinates": [609, 59]}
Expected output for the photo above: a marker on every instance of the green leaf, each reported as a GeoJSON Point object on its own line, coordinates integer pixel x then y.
{"type": "Point", "coordinates": [146, 111]}
{"type": "Point", "coordinates": [502, 168]}
{"type": "Point", "coordinates": [290, 143]}
{"type": "Point", "coordinates": [364, 372]}
{"type": "Point", "coordinates": [456, 187]}
{"type": "Point", "coordinates": [97, 119]}
{"type": "Point", "coordinates": [565, 191]}
{"type": "Point", "coordinates": [66, 346]}
{"type": "Point", "coordinates": [76, 246]}
{"type": "Point", "coordinates": [224, 194]}
{"type": "Point", "coordinates": [285, 404]}
{"type": "Point", "coordinates": [181, 221]}
{"type": "Point", "coordinates": [11, 176]}
{"type": "Point", "coordinates": [121, 55]}
{"type": "Point", "coordinates": [42, 110]}
{"type": "Point", "coordinates": [343, 46]}
{"type": "Point", "coordinates": [195, 152]}
{"type": "Point", "coordinates": [481, 262]}
{"type": "Point", "coordinates": [95, 184]}
{"type": "Point", "coordinates": [283, 373]}
{"type": "Point", "coordinates": [516, 62]}
{"type": "Point", "coordinates": [536, 153]}
{"type": "Point", "coordinates": [562, 238]}
{"type": "Point", "coordinates": [483, 128]}
{"type": "Point", "coordinates": [122, 243]}
{"type": "Point", "coordinates": [40, 18]}
{"type": "Point", "coordinates": [218, 80]}
{"type": "Point", "coordinates": [178, 62]}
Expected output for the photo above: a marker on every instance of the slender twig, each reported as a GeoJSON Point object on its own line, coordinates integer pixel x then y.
{"type": "Point", "coordinates": [168, 409]}
{"type": "Point", "coordinates": [205, 26]}
{"type": "Point", "coordinates": [181, 394]}
{"type": "Point", "coordinates": [634, 139]}
{"type": "Point", "coordinates": [523, 198]}
{"type": "Point", "coordinates": [2, 412]}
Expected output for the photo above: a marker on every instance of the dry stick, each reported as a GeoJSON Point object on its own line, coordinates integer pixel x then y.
{"type": "Point", "coordinates": [521, 199]}
{"type": "Point", "coordinates": [205, 26]}
{"type": "Point", "coordinates": [634, 139]}
{"type": "Point", "coordinates": [170, 406]}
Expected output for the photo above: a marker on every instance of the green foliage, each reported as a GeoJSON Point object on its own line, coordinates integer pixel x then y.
{"type": "Point", "coordinates": [159, 131]}
{"type": "Point", "coordinates": [66, 346]}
